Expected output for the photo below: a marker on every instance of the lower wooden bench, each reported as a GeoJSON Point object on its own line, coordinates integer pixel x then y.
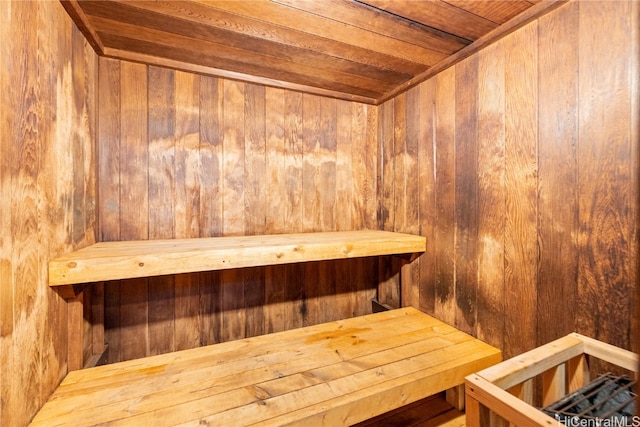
{"type": "Point", "coordinates": [337, 373]}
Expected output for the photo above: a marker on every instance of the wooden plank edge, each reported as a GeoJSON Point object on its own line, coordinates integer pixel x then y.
{"type": "Point", "coordinates": [81, 21]}
{"type": "Point", "coordinates": [500, 32]}
{"type": "Point", "coordinates": [534, 362]}
{"type": "Point", "coordinates": [232, 75]}
{"type": "Point", "coordinates": [609, 353]}
{"type": "Point", "coordinates": [504, 404]}
{"type": "Point", "coordinates": [66, 270]}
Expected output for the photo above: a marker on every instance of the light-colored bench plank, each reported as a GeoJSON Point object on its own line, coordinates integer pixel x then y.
{"type": "Point", "coordinates": [143, 258]}
{"type": "Point", "coordinates": [337, 373]}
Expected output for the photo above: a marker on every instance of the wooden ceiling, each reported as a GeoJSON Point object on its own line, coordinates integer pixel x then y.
{"type": "Point", "coordinates": [365, 51]}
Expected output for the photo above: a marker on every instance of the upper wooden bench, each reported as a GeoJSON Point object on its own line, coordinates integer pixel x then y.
{"type": "Point", "coordinates": [143, 258]}
{"type": "Point", "coordinates": [72, 272]}
{"type": "Point", "coordinates": [337, 373]}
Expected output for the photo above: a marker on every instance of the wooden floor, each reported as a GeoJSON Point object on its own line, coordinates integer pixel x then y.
{"type": "Point", "coordinates": [434, 411]}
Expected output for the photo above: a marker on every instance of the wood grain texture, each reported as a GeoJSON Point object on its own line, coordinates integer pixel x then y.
{"type": "Point", "coordinates": [248, 136]}
{"type": "Point", "coordinates": [426, 202]}
{"type": "Point", "coordinates": [604, 173]}
{"type": "Point", "coordinates": [134, 202]}
{"type": "Point", "coordinates": [556, 204]}
{"type": "Point", "coordinates": [275, 177]}
{"type": "Point", "coordinates": [211, 208]}
{"type": "Point", "coordinates": [161, 173]}
{"type": "Point", "coordinates": [328, 374]}
{"type": "Point", "coordinates": [358, 51]}
{"type": "Point", "coordinates": [411, 223]}
{"type": "Point", "coordinates": [255, 200]}
{"type": "Point", "coordinates": [444, 158]}
{"type": "Point", "coordinates": [21, 256]}
{"type": "Point", "coordinates": [558, 168]}
{"type": "Point", "coordinates": [491, 198]}
{"type": "Point", "coordinates": [466, 194]}
{"type": "Point", "coordinates": [187, 202]}
{"type": "Point", "coordinates": [233, 199]}
{"type": "Point", "coordinates": [389, 285]}
{"type": "Point", "coordinates": [635, 166]}
{"type": "Point", "coordinates": [521, 189]}
{"type": "Point", "coordinates": [109, 190]}
{"type": "Point", "coordinates": [48, 94]}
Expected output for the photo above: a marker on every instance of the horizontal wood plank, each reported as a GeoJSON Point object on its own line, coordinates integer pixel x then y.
{"type": "Point", "coordinates": [339, 372]}
{"type": "Point", "coordinates": [142, 258]}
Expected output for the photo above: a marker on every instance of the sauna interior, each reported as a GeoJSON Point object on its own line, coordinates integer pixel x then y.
{"type": "Point", "coordinates": [505, 133]}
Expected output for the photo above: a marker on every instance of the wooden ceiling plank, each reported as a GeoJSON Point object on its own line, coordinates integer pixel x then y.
{"type": "Point", "coordinates": [534, 12]}
{"type": "Point", "coordinates": [214, 17]}
{"type": "Point", "coordinates": [157, 48]}
{"type": "Point", "coordinates": [235, 58]}
{"type": "Point", "coordinates": [368, 18]}
{"type": "Point", "coordinates": [497, 11]}
{"type": "Point", "coordinates": [247, 53]}
{"type": "Point", "coordinates": [439, 15]}
{"type": "Point", "coordinates": [279, 14]}
{"type": "Point", "coordinates": [131, 14]}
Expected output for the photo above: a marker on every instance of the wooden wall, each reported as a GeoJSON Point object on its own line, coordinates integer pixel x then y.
{"type": "Point", "coordinates": [182, 155]}
{"type": "Point", "coordinates": [47, 192]}
{"type": "Point", "coordinates": [521, 166]}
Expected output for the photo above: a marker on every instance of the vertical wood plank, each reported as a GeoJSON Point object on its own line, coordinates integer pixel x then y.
{"type": "Point", "coordinates": [445, 196]}
{"type": "Point", "coordinates": [75, 341]}
{"type": "Point", "coordinates": [161, 172]}
{"type": "Point", "coordinates": [53, 344]}
{"type": "Point", "coordinates": [276, 181]}
{"type": "Point", "coordinates": [187, 204]}
{"type": "Point", "coordinates": [327, 142]}
{"type": "Point", "coordinates": [491, 196]}
{"type": "Point", "coordinates": [294, 204]}
{"type": "Point", "coordinates": [577, 373]}
{"type": "Point", "coordinates": [77, 138]}
{"type": "Point", "coordinates": [89, 120]}
{"type": "Point", "coordinates": [233, 199]}
{"type": "Point", "coordinates": [344, 297]}
{"type": "Point", "coordinates": [388, 285]}
{"type": "Point", "coordinates": [345, 135]}
{"type": "Point", "coordinates": [553, 384]}
{"type": "Point", "coordinates": [604, 174]}
{"type": "Point", "coordinates": [635, 166]}
{"type": "Point", "coordinates": [311, 200]}
{"type": "Point", "coordinates": [399, 155]}
{"type": "Point", "coordinates": [364, 151]}
{"type": "Point", "coordinates": [134, 204]}
{"type": "Point", "coordinates": [255, 201]}
{"type": "Point", "coordinates": [386, 169]}
{"type": "Point", "coordinates": [108, 152]}
{"type": "Point", "coordinates": [23, 167]}
{"type": "Point", "coordinates": [521, 185]}
{"type": "Point", "coordinates": [466, 194]}
{"type": "Point", "coordinates": [426, 177]}
{"type": "Point", "coordinates": [557, 180]}
{"type": "Point", "coordinates": [410, 275]}
{"type": "Point", "coordinates": [211, 209]}
{"type": "Point", "coordinates": [6, 265]}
